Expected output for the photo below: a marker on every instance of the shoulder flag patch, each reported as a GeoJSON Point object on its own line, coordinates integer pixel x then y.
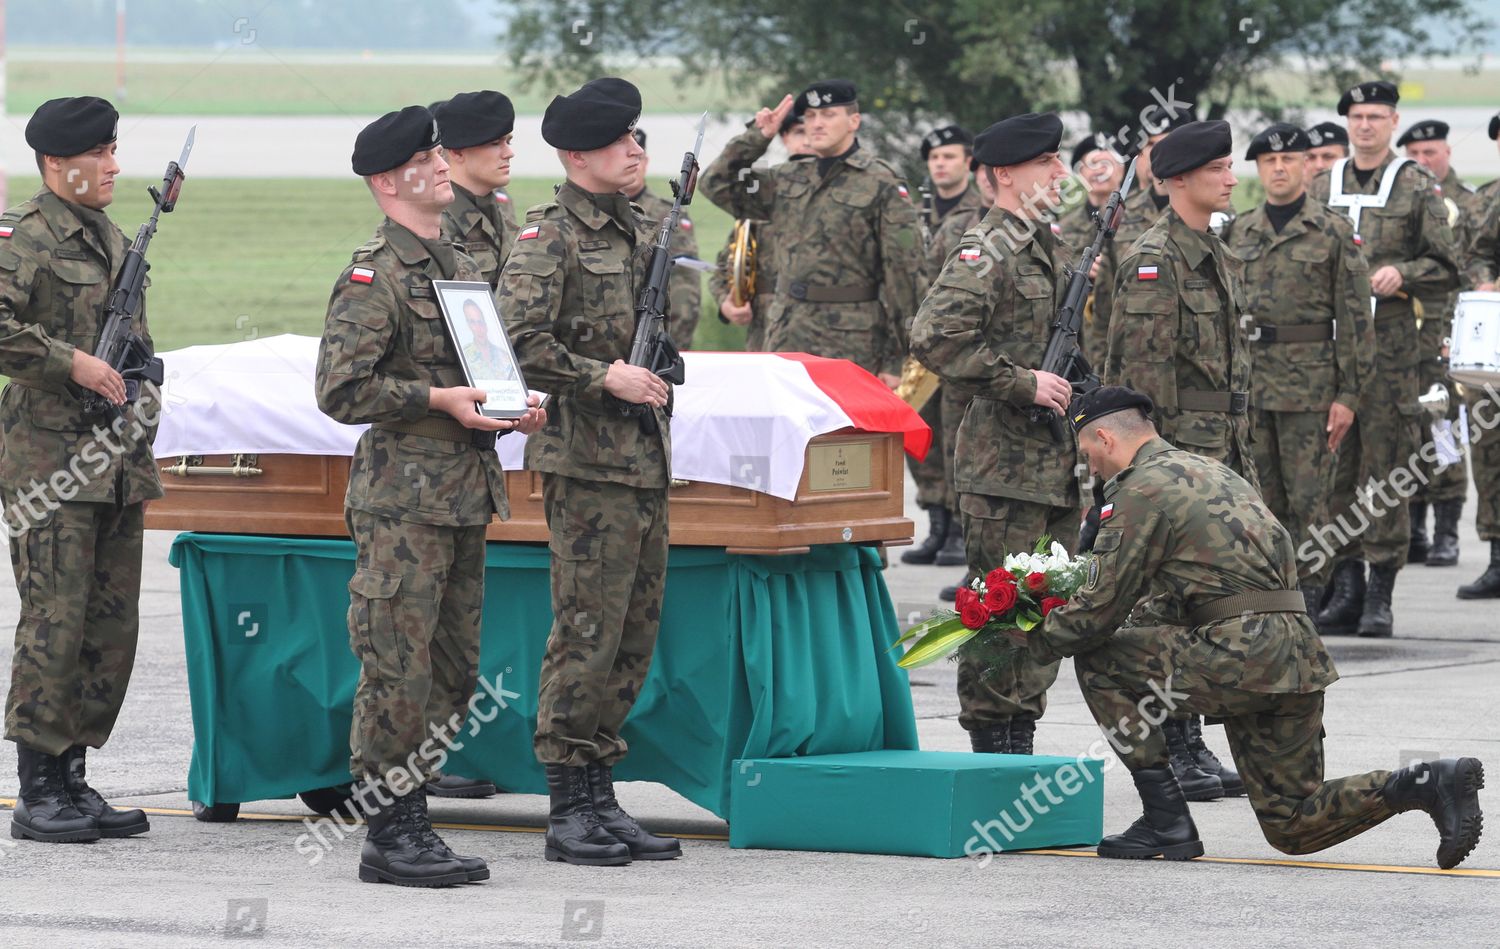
{"type": "Point", "coordinates": [1359, 241]}
{"type": "Point", "coordinates": [1107, 511]}
{"type": "Point", "coordinates": [361, 275]}
{"type": "Point", "coordinates": [969, 253]}
{"type": "Point", "coordinates": [528, 232]}
{"type": "Point", "coordinates": [1145, 273]}
{"type": "Point", "coordinates": [6, 230]}
{"type": "Point", "coordinates": [904, 192]}
{"type": "Point", "coordinates": [685, 224]}
{"type": "Point", "coordinates": [1056, 229]}
{"type": "Point", "coordinates": [502, 197]}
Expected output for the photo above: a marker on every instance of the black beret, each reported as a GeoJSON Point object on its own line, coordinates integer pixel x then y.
{"type": "Point", "coordinates": [947, 135]}
{"type": "Point", "coordinates": [1280, 137]}
{"type": "Point", "coordinates": [1190, 146]}
{"type": "Point", "coordinates": [1018, 138]}
{"type": "Point", "coordinates": [1106, 400]}
{"type": "Point", "coordinates": [67, 127]}
{"type": "Point", "coordinates": [474, 118]}
{"type": "Point", "coordinates": [1495, 126]}
{"type": "Point", "coordinates": [597, 114]}
{"type": "Point", "coordinates": [1327, 133]}
{"type": "Point", "coordinates": [391, 140]}
{"type": "Point", "coordinates": [1157, 119]}
{"type": "Point", "coordinates": [640, 137]}
{"type": "Point", "coordinates": [1430, 130]}
{"type": "Point", "coordinates": [1378, 92]}
{"type": "Point", "coordinates": [1096, 142]}
{"type": "Point", "coordinates": [829, 92]}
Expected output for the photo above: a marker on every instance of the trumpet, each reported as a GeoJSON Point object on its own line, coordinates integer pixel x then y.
{"type": "Point", "coordinates": [917, 384]}
{"type": "Point", "coordinates": [742, 247]}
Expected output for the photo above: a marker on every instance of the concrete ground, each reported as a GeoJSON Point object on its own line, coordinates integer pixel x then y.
{"type": "Point", "coordinates": [1429, 691]}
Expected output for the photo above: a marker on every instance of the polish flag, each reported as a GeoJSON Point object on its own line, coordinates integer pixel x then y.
{"type": "Point", "coordinates": [361, 275]}
{"type": "Point", "coordinates": [1146, 273]}
{"type": "Point", "coordinates": [528, 232]}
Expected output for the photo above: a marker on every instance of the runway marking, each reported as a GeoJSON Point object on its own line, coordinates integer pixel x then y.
{"type": "Point", "coordinates": [10, 803]}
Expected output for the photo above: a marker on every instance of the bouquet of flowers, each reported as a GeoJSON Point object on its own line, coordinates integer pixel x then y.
{"type": "Point", "coordinates": [1014, 596]}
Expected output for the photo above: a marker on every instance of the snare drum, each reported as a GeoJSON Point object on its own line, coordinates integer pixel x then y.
{"type": "Point", "coordinates": [1474, 355]}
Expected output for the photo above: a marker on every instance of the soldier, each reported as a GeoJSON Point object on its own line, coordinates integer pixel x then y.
{"type": "Point", "coordinates": [1313, 344]}
{"type": "Point", "coordinates": [1399, 221]}
{"type": "Point", "coordinates": [1195, 537]}
{"type": "Point", "coordinates": [1177, 334]}
{"type": "Point", "coordinates": [686, 283]}
{"type": "Point", "coordinates": [947, 152]}
{"type": "Point", "coordinates": [1483, 274]}
{"type": "Point", "coordinates": [1444, 485]}
{"type": "Point", "coordinates": [75, 534]}
{"type": "Point", "coordinates": [423, 483]}
{"type": "Point", "coordinates": [753, 313]}
{"type": "Point", "coordinates": [848, 251]}
{"type": "Point", "coordinates": [1101, 172]}
{"type": "Point", "coordinates": [569, 290]}
{"type": "Point", "coordinates": [485, 358]}
{"type": "Point", "coordinates": [1327, 143]}
{"type": "Point", "coordinates": [476, 130]}
{"type": "Point", "coordinates": [983, 327]}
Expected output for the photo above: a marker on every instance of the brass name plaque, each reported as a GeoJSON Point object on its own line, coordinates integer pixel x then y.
{"type": "Point", "coordinates": [838, 467]}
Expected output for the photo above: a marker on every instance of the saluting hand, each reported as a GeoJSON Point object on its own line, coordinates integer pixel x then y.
{"type": "Point", "coordinates": [96, 375]}
{"type": "Point", "coordinates": [769, 120]}
{"type": "Point", "coordinates": [1052, 391]}
{"type": "Point", "coordinates": [635, 384]}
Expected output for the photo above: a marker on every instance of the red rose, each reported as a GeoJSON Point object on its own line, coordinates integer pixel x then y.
{"type": "Point", "coordinates": [998, 577]}
{"type": "Point", "coordinates": [971, 612]}
{"type": "Point", "coordinates": [1050, 603]}
{"type": "Point", "coordinates": [1001, 597]}
{"type": "Point", "coordinates": [1036, 582]}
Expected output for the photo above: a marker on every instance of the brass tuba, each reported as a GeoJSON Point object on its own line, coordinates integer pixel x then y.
{"type": "Point", "coordinates": [742, 245]}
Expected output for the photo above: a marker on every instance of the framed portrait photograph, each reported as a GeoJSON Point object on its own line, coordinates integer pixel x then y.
{"type": "Point", "coordinates": [483, 348]}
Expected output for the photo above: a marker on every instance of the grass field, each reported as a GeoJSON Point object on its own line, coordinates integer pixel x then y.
{"type": "Point", "coordinates": [240, 259]}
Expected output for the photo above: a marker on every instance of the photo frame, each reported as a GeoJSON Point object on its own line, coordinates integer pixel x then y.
{"type": "Point", "coordinates": [483, 346]}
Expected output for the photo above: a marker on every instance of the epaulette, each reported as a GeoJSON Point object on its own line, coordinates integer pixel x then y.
{"type": "Point", "coordinates": [367, 250]}
{"type": "Point", "coordinates": [892, 169]}
{"type": "Point", "coordinates": [537, 212]}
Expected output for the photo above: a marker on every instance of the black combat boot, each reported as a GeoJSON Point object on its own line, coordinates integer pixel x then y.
{"type": "Point", "coordinates": [474, 867]}
{"type": "Point", "coordinates": [1340, 616]}
{"type": "Point", "coordinates": [1448, 790]}
{"type": "Point", "coordinates": [574, 832]}
{"type": "Point", "coordinates": [1194, 783]}
{"type": "Point", "coordinates": [1376, 621]}
{"type": "Point", "coordinates": [1312, 596]}
{"type": "Point", "coordinates": [992, 739]}
{"type": "Point", "coordinates": [1488, 584]}
{"type": "Point", "coordinates": [938, 518]}
{"type": "Point", "coordinates": [398, 847]}
{"type": "Point", "coordinates": [1165, 829]}
{"type": "Point", "coordinates": [1022, 734]}
{"type": "Point", "coordinates": [1417, 549]}
{"type": "Point", "coordinates": [953, 553]}
{"type": "Point", "coordinates": [643, 844]}
{"type": "Point", "coordinates": [451, 785]}
{"type": "Point", "coordinates": [90, 803]}
{"type": "Point", "coordinates": [1445, 515]}
{"type": "Point", "coordinates": [1209, 762]}
{"type": "Point", "coordinates": [44, 811]}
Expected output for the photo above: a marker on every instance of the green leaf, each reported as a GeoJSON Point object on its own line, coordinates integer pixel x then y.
{"type": "Point", "coordinates": [940, 642]}
{"type": "Point", "coordinates": [1028, 621]}
{"type": "Point", "coordinates": [941, 616]}
{"type": "Point", "coordinates": [1042, 544]}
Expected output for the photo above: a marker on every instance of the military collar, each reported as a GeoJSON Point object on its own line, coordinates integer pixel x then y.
{"type": "Point", "coordinates": [1009, 223]}
{"type": "Point", "coordinates": [1143, 454]}
{"type": "Point", "coordinates": [466, 204]}
{"type": "Point", "coordinates": [1194, 245]}
{"type": "Point", "coordinates": [581, 204]}
{"type": "Point", "coordinates": [1310, 216]}
{"type": "Point", "coordinates": [58, 214]}
{"type": "Point", "coordinates": [407, 245]}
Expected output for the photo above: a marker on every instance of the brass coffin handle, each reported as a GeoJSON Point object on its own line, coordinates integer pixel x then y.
{"type": "Point", "coordinates": [244, 466]}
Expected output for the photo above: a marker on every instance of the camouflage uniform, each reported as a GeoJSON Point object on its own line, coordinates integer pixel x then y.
{"type": "Point", "coordinates": [848, 249]}
{"type": "Point", "coordinates": [765, 283]}
{"type": "Point", "coordinates": [484, 225]}
{"type": "Point", "coordinates": [75, 544]}
{"type": "Point", "coordinates": [1176, 335]}
{"type": "Point", "coordinates": [569, 292]}
{"type": "Point", "coordinates": [982, 325]}
{"type": "Point", "coordinates": [1312, 344]}
{"type": "Point", "coordinates": [1186, 531]}
{"type": "Point", "coordinates": [1483, 266]}
{"type": "Point", "coordinates": [686, 284]}
{"type": "Point", "coordinates": [1141, 211]}
{"type": "Point", "coordinates": [1410, 233]}
{"type": "Point", "coordinates": [421, 490]}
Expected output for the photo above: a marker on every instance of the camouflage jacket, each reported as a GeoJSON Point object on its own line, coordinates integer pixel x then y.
{"type": "Point", "coordinates": [384, 347]}
{"type": "Point", "coordinates": [686, 284]}
{"type": "Point", "coordinates": [982, 327]}
{"type": "Point", "coordinates": [765, 283]}
{"type": "Point", "coordinates": [1310, 274]}
{"type": "Point", "coordinates": [568, 293]}
{"type": "Point", "coordinates": [1410, 233]}
{"type": "Point", "coordinates": [1140, 213]}
{"type": "Point", "coordinates": [482, 225]}
{"type": "Point", "coordinates": [56, 272]}
{"type": "Point", "coordinates": [950, 230]}
{"type": "Point", "coordinates": [1176, 333]}
{"type": "Point", "coordinates": [851, 232]}
{"type": "Point", "coordinates": [1463, 207]}
{"type": "Point", "coordinates": [1184, 531]}
{"type": "Point", "coordinates": [1483, 261]}
{"type": "Point", "coordinates": [970, 204]}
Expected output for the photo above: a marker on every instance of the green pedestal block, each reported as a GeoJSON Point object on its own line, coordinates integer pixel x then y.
{"type": "Point", "coordinates": [917, 803]}
{"type": "Point", "coordinates": [757, 657]}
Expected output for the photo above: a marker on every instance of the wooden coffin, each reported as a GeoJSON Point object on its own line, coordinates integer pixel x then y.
{"type": "Point", "coordinates": [850, 492]}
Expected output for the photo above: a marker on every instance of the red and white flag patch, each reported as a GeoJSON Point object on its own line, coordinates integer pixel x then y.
{"type": "Point", "coordinates": [502, 197]}
{"type": "Point", "coordinates": [969, 254]}
{"type": "Point", "coordinates": [361, 275]}
{"type": "Point", "coordinates": [528, 232]}
{"type": "Point", "coordinates": [904, 192]}
{"type": "Point", "coordinates": [6, 230]}
{"type": "Point", "coordinates": [1146, 273]}
{"type": "Point", "coordinates": [1107, 511]}
{"type": "Point", "coordinates": [1359, 241]}
{"type": "Point", "coordinates": [685, 224]}
{"type": "Point", "coordinates": [1056, 229]}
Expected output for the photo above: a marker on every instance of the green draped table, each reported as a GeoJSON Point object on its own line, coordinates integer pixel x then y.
{"type": "Point", "coordinates": [758, 657]}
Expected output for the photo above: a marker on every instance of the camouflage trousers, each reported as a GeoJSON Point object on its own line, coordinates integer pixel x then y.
{"type": "Point", "coordinates": [609, 569]}
{"type": "Point", "coordinates": [993, 528]}
{"type": "Point", "coordinates": [414, 610]}
{"type": "Point", "coordinates": [1276, 738]}
{"type": "Point", "coordinates": [1484, 461]}
{"type": "Point", "coordinates": [1445, 482]}
{"type": "Point", "coordinates": [78, 573]}
{"type": "Point", "coordinates": [1296, 477]}
{"type": "Point", "coordinates": [933, 475]}
{"type": "Point", "coordinates": [1382, 439]}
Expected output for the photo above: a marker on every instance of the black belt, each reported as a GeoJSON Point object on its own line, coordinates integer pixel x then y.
{"type": "Point", "coordinates": [801, 290]}
{"type": "Point", "coordinates": [1206, 400]}
{"type": "Point", "coordinates": [445, 428]}
{"type": "Point", "coordinates": [1257, 601]}
{"type": "Point", "coordinates": [1310, 333]}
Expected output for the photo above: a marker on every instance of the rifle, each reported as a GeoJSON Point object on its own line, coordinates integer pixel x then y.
{"type": "Point", "coordinates": [1063, 357]}
{"type": "Point", "coordinates": [119, 344]}
{"type": "Point", "coordinates": [652, 348]}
